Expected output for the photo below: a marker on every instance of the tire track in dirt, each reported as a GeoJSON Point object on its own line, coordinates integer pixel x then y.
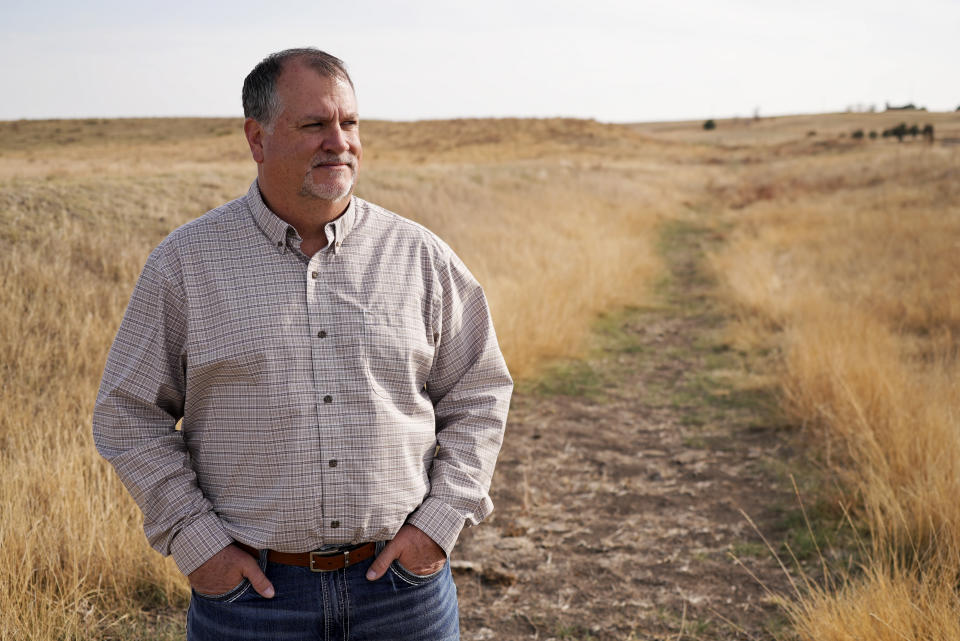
{"type": "Point", "coordinates": [619, 486]}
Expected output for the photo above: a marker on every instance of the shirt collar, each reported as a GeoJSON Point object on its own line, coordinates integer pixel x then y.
{"type": "Point", "coordinates": [272, 226]}
{"type": "Point", "coordinates": [278, 231]}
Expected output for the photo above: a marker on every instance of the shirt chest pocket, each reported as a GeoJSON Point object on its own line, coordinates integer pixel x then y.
{"type": "Point", "coordinates": [397, 357]}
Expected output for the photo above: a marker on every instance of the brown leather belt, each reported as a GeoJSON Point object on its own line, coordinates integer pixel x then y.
{"type": "Point", "coordinates": [317, 561]}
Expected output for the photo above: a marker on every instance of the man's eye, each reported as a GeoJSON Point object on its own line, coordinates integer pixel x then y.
{"type": "Point", "coordinates": [349, 123]}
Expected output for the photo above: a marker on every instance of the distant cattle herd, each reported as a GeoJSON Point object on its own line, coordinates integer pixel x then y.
{"type": "Point", "coordinates": [899, 132]}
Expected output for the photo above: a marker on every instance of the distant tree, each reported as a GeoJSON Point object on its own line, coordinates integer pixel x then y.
{"type": "Point", "coordinates": [710, 124]}
{"type": "Point", "coordinates": [914, 131]}
{"type": "Point", "coordinates": [899, 131]}
{"type": "Point", "coordinates": [857, 135]}
{"type": "Point", "coordinates": [928, 132]}
{"type": "Point", "coordinates": [887, 133]}
{"type": "Point", "coordinates": [873, 135]}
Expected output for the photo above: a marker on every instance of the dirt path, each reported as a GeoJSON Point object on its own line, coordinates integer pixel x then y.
{"type": "Point", "coordinates": [620, 483]}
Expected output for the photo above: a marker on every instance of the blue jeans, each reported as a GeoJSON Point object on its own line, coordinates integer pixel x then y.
{"type": "Point", "coordinates": [323, 606]}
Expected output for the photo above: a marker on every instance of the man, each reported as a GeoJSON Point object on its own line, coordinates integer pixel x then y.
{"type": "Point", "coordinates": [341, 391]}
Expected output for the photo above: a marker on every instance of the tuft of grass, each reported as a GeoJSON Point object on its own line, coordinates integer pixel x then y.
{"type": "Point", "coordinates": [576, 378]}
{"type": "Point", "coordinates": [575, 632]}
{"type": "Point", "coordinates": [809, 529]}
{"type": "Point", "coordinates": [748, 549]}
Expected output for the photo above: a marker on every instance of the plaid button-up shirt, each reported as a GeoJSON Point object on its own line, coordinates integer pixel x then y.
{"type": "Point", "coordinates": [324, 400]}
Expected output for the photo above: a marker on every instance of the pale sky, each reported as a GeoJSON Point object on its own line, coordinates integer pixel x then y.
{"type": "Point", "coordinates": [613, 60]}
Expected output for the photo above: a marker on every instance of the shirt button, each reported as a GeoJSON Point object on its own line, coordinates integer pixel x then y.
{"type": "Point", "coordinates": [333, 462]}
{"type": "Point", "coordinates": [314, 275]}
{"type": "Point", "coordinates": [327, 399]}
{"type": "Point", "coordinates": [279, 243]}
{"type": "Point", "coordinates": [334, 524]}
{"type": "Point", "coordinates": [321, 334]}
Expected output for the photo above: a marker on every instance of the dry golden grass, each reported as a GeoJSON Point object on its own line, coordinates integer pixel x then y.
{"type": "Point", "coordinates": [555, 217]}
{"type": "Point", "coordinates": [849, 264]}
{"type": "Point", "coordinates": [886, 604]}
{"type": "Point", "coordinates": [842, 255]}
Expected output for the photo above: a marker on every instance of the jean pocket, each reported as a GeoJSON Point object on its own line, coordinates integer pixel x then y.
{"type": "Point", "coordinates": [236, 592]}
{"type": "Point", "coordinates": [229, 596]}
{"type": "Point", "coordinates": [413, 578]}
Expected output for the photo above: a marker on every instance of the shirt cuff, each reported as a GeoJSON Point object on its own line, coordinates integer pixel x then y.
{"type": "Point", "coordinates": [439, 521]}
{"type": "Point", "coordinates": [199, 541]}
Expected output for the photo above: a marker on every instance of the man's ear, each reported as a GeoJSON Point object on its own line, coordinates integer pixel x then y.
{"type": "Point", "coordinates": [254, 133]}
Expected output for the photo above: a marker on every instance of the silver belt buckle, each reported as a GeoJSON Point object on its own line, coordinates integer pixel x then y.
{"type": "Point", "coordinates": [315, 555]}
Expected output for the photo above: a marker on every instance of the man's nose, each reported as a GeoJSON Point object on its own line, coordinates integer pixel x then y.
{"type": "Point", "coordinates": [336, 141]}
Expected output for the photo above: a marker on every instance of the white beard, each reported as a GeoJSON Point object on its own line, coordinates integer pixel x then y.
{"type": "Point", "coordinates": [329, 191]}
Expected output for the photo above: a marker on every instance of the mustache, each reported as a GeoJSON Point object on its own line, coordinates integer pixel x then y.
{"type": "Point", "coordinates": [334, 159]}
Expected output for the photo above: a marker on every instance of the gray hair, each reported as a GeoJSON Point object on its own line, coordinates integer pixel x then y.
{"type": "Point", "coordinates": [260, 99]}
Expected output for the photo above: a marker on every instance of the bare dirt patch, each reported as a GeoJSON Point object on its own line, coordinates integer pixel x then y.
{"type": "Point", "coordinates": [620, 486]}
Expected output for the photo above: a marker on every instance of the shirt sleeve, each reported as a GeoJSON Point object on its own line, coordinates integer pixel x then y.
{"type": "Point", "coordinates": [141, 398]}
{"type": "Point", "coordinates": [470, 388]}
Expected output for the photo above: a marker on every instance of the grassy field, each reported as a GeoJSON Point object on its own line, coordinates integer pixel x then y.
{"type": "Point", "coordinates": [841, 255]}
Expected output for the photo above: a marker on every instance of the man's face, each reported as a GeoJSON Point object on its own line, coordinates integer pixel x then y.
{"type": "Point", "coordinates": [313, 150]}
